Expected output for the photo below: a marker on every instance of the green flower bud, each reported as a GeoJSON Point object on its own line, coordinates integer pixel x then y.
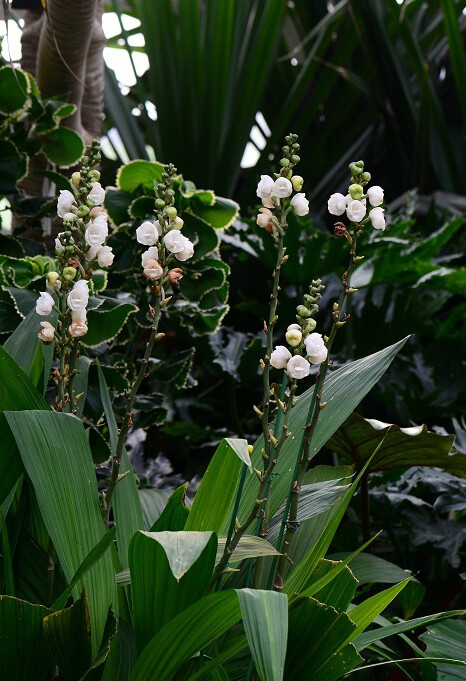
{"type": "Point", "coordinates": [360, 164]}
{"type": "Point", "coordinates": [297, 182]}
{"type": "Point", "coordinates": [85, 160]}
{"type": "Point", "coordinates": [355, 191]}
{"type": "Point", "coordinates": [171, 212]}
{"type": "Point", "coordinates": [97, 157]}
{"type": "Point", "coordinates": [295, 146]}
{"type": "Point", "coordinates": [160, 203]}
{"type": "Point", "coordinates": [288, 173]}
{"type": "Point", "coordinates": [293, 337]}
{"type": "Point", "coordinates": [94, 175]}
{"type": "Point", "coordinates": [303, 311]}
{"type": "Point", "coordinates": [82, 211]}
{"type": "Point", "coordinates": [83, 190]}
{"type": "Point", "coordinates": [90, 203]}
{"type": "Point", "coordinates": [284, 162]}
{"type": "Point", "coordinates": [366, 176]}
{"type": "Point", "coordinates": [295, 159]}
{"type": "Point", "coordinates": [286, 149]}
{"type": "Point", "coordinates": [69, 249]}
{"type": "Point", "coordinates": [52, 277]}
{"type": "Point", "coordinates": [75, 178]}
{"type": "Point", "coordinates": [69, 273]}
{"type": "Point", "coordinates": [310, 325]}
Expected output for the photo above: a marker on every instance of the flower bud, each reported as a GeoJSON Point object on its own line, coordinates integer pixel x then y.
{"type": "Point", "coordinates": [52, 278]}
{"type": "Point", "coordinates": [171, 212]}
{"type": "Point", "coordinates": [309, 325]}
{"type": "Point", "coordinates": [160, 203]}
{"type": "Point", "coordinates": [94, 175]}
{"type": "Point", "coordinates": [297, 182]}
{"type": "Point", "coordinates": [47, 333]}
{"type": "Point", "coordinates": [284, 162]}
{"type": "Point", "coordinates": [295, 159]}
{"type": "Point", "coordinates": [355, 191]}
{"type": "Point", "coordinates": [294, 337]}
{"type": "Point", "coordinates": [75, 178]}
{"type": "Point", "coordinates": [175, 275]}
{"type": "Point", "coordinates": [83, 210]}
{"type": "Point", "coordinates": [366, 176]}
{"type": "Point", "coordinates": [303, 311]}
{"type": "Point", "coordinates": [250, 449]}
{"type": "Point", "coordinates": [69, 273]}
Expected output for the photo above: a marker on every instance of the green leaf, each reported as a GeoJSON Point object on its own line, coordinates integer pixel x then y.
{"type": "Point", "coordinates": [23, 342]}
{"type": "Point", "coordinates": [139, 173]}
{"type": "Point", "coordinates": [341, 586]}
{"type": "Point", "coordinates": [95, 554]}
{"type": "Point", "coordinates": [153, 501]}
{"type": "Point", "coordinates": [365, 613]}
{"type": "Point", "coordinates": [13, 167]}
{"type": "Point", "coordinates": [324, 656]}
{"type": "Point", "coordinates": [16, 393]}
{"type": "Point", "coordinates": [57, 458]}
{"type": "Point", "coordinates": [190, 631]}
{"type": "Point", "coordinates": [169, 572]}
{"type": "Point", "coordinates": [357, 438]}
{"type": "Point", "coordinates": [343, 390]}
{"type": "Point", "coordinates": [14, 89]}
{"type": "Point", "coordinates": [447, 639]}
{"type": "Point", "coordinates": [370, 569]}
{"type": "Point", "coordinates": [59, 180]}
{"type": "Point", "coordinates": [248, 546]}
{"type": "Point", "coordinates": [127, 507]}
{"type": "Point", "coordinates": [23, 648]}
{"type": "Point", "coordinates": [175, 513]}
{"type": "Point", "coordinates": [265, 620]}
{"type": "Point", "coordinates": [63, 147]}
{"type": "Point", "coordinates": [370, 637]}
{"type": "Point", "coordinates": [117, 204]}
{"type": "Point", "coordinates": [68, 638]}
{"type": "Point", "coordinates": [211, 509]}
{"type": "Point", "coordinates": [106, 321]}
{"type": "Point", "coordinates": [220, 215]}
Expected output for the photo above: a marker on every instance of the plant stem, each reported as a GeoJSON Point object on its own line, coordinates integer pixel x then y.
{"type": "Point", "coordinates": [304, 457]}
{"type": "Point", "coordinates": [63, 348]}
{"type": "Point", "coordinates": [127, 419]}
{"type": "Point", "coordinates": [72, 374]}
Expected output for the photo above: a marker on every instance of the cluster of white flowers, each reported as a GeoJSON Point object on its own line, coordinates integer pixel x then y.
{"type": "Point", "coordinates": [298, 366]}
{"type": "Point", "coordinates": [97, 229]}
{"type": "Point", "coordinates": [174, 241]}
{"type": "Point", "coordinates": [77, 301]}
{"type": "Point", "coordinates": [355, 205]}
{"type": "Point", "coordinates": [271, 191]}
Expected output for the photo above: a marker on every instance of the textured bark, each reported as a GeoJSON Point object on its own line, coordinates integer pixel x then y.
{"type": "Point", "coordinates": [77, 26]}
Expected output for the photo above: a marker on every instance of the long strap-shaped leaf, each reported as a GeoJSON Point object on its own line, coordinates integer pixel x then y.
{"type": "Point", "coordinates": [57, 458]}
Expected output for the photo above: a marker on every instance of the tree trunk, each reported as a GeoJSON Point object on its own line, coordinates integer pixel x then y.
{"type": "Point", "coordinates": [77, 27]}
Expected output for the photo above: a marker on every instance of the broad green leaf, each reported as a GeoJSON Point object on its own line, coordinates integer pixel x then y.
{"type": "Point", "coordinates": [13, 167]}
{"type": "Point", "coordinates": [324, 655]}
{"type": "Point", "coordinates": [365, 613]}
{"type": "Point", "coordinates": [343, 390]}
{"type": "Point", "coordinates": [190, 631]}
{"type": "Point", "coordinates": [370, 569]}
{"type": "Point", "coordinates": [14, 89]}
{"type": "Point", "coordinates": [313, 585]}
{"type": "Point", "coordinates": [339, 591]}
{"type": "Point", "coordinates": [63, 147]}
{"type": "Point", "coordinates": [23, 342]}
{"type": "Point", "coordinates": [94, 555]}
{"type": "Point", "coordinates": [16, 393]}
{"type": "Point", "coordinates": [369, 637]}
{"type": "Point", "coordinates": [153, 501]}
{"type": "Point", "coordinates": [357, 438]}
{"type": "Point", "coordinates": [127, 509]}
{"type": "Point", "coordinates": [211, 509]}
{"type": "Point", "coordinates": [248, 546]}
{"type": "Point", "coordinates": [23, 649]}
{"type": "Point", "coordinates": [56, 455]}
{"type": "Point", "coordinates": [122, 654]}
{"type": "Point", "coordinates": [139, 173]}
{"type": "Point", "coordinates": [169, 572]}
{"type": "Point", "coordinates": [81, 381]}
{"type": "Point", "coordinates": [106, 321]}
{"type": "Point", "coordinates": [175, 513]}
{"type": "Point", "coordinates": [447, 639]}
{"type": "Point", "coordinates": [220, 215]}
{"type": "Point", "coordinates": [68, 638]}
{"type": "Point", "coordinates": [265, 620]}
